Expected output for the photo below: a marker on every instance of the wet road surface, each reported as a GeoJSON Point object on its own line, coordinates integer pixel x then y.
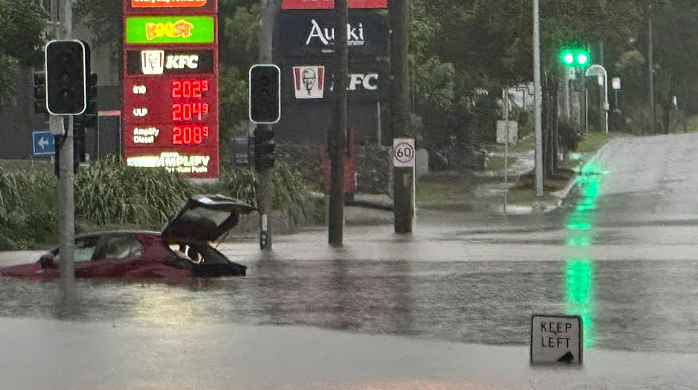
{"type": "Point", "coordinates": [623, 254]}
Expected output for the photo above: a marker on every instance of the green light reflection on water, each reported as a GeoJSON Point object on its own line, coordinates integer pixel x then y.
{"type": "Point", "coordinates": [579, 269]}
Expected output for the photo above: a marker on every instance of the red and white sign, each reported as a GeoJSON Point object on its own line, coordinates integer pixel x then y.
{"type": "Point", "coordinates": [329, 4]}
{"type": "Point", "coordinates": [309, 82]}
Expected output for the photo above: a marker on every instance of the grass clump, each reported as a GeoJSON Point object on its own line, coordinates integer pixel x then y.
{"type": "Point", "coordinates": [110, 195]}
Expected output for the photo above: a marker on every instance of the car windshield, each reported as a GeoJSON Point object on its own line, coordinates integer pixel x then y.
{"type": "Point", "coordinates": [349, 194]}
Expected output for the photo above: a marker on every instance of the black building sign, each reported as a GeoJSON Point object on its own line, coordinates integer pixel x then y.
{"type": "Point", "coordinates": [311, 34]}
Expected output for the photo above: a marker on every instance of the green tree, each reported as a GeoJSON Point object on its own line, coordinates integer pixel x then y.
{"type": "Point", "coordinates": [21, 35]}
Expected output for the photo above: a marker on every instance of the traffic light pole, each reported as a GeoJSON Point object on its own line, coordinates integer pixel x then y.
{"type": "Point", "coordinates": [66, 180]}
{"type": "Point", "coordinates": [66, 204]}
{"type": "Point", "coordinates": [265, 184]}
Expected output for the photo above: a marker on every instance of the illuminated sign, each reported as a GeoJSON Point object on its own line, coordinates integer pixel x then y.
{"type": "Point", "coordinates": [170, 100]}
{"type": "Point", "coordinates": [167, 135]}
{"type": "Point", "coordinates": [329, 4]}
{"type": "Point", "coordinates": [170, 29]}
{"type": "Point", "coordinates": [160, 7]}
{"type": "Point", "coordinates": [196, 163]}
{"type": "Point", "coordinates": [167, 3]}
{"type": "Point", "coordinates": [311, 34]}
{"type": "Point", "coordinates": [170, 86]}
{"type": "Point", "coordinates": [156, 62]}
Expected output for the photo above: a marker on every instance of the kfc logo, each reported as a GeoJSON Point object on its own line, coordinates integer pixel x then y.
{"type": "Point", "coordinates": [368, 82]}
{"type": "Point", "coordinates": [309, 82]}
{"type": "Point", "coordinates": [182, 61]}
{"type": "Point", "coordinates": [153, 61]}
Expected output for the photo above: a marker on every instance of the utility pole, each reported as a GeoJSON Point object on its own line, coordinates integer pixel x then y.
{"type": "Point", "coordinates": [265, 184]}
{"type": "Point", "coordinates": [505, 100]}
{"type": "Point", "coordinates": [403, 178]}
{"type": "Point", "coordinates": [650, 56]}
{"type": "Point", "coordinates": [66, 180]}
{"type": "Point", "coordinates": [338, 137]}
{"type": "Point", "coordinates": [538, 98]}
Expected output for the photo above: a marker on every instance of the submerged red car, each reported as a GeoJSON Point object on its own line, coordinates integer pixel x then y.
{"type": "Point", "coordinates": [184, 247]}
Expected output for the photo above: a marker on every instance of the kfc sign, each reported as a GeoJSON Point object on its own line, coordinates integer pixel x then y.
{"type": "Point", "coordinates": [309, 82]}
{"type": "Point", "coordinates": [329, 4]}
{"type": "Point", "coordinates": [157, 62]}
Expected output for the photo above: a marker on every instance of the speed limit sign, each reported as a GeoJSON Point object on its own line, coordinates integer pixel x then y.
{"type": "Point", "coordinates": [404, 154]}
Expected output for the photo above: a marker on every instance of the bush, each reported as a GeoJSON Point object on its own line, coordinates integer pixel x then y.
{"type": "Point", "coordinates": [108, 194]}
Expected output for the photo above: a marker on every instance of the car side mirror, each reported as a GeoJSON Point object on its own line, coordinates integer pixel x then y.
{"type": "Point", "coordinates": [47, 261]}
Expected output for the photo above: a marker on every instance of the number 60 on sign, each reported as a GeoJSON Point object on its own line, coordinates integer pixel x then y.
{"type": "Point", "coordinates": [404, 152]}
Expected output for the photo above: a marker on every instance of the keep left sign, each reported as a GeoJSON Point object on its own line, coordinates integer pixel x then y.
{"type": "Point", "coordinates": [556, 339]}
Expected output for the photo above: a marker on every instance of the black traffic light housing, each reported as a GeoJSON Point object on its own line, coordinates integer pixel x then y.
{"type": "Point", "coordinates": [265, 94]}
{"type": "Point", "coordinates": [263, 148]}
{"type": "Point", "coordinates": [89, 117]}
{"type": "Point", "coordinates": [40, 92]}
{"type": "Point", "coordinates": [66, 72]}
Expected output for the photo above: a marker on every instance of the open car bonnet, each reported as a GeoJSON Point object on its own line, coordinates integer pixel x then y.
{"type": "Point", "coordinates": [205, 218]}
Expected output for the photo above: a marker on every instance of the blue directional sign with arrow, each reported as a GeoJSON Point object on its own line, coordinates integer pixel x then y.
{"type": "Point", "coordinates": [44, 143]}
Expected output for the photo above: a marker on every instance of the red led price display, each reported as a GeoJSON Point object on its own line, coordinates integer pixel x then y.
{"type": "Point", "coordinates": [189, 135]}
{"type": "Point", "coordinates": [188, 89]}
{"type": "Point", "coordinates": [186, 112]}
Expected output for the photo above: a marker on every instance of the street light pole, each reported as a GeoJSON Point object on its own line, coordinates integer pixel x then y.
{"type": "Point", "coordinates": [650, 57]}
{"type": "Point", "coordinates": [538, 98]}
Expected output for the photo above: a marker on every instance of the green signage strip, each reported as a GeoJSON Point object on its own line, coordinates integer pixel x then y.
{"type": "Point", "coordinates": [170, 29]}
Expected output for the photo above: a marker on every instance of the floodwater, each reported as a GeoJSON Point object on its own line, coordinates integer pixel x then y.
{"type": "Point", "coordinates": [461, 282]}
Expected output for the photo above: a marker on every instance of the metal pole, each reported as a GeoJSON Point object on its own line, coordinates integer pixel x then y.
{"type": "Point", "coordinates": [66, 202]}
{"type": "Point", "coordinates": [66, 180]}
{"type": "Point", "coordinates": [605, 99]}
{"type": "Point", "coordinates": [506, 147]}
{"type": "Point", "coordinates": [650, 62]}
{"type": "Point", "coordinates": [337, 138]}
{"type": "Point", "coordinates": [265, 184]}
{"type": "Point", "coordinates": [538, 98]}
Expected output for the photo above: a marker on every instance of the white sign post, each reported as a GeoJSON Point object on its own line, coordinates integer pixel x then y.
{"type": "Point", "coordinates": [404, 154]}
{"type": "Point", "coordinates": [556, 339]}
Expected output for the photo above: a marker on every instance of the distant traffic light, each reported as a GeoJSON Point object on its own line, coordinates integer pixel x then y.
{"type": "Point", "coordinates": [79, 155]}
{"type": "Point", "coordinates": [265, 94]}
{"type": "Point", "coordinates": [263, 149]}
{"type": "Point", "coordinates": [40, 92]}
{"type": "Point", "coordinates": [578, 57]}
{"type": "Point", "coordinates": [89, 117]}
{"type": "Point", "coordinates": [65, 77]}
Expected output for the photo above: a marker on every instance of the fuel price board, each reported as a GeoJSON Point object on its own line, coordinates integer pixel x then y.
{"type": "Point", "coordinates": [170, 88]}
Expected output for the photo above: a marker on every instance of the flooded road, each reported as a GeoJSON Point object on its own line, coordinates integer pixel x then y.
{"type": "Point", "coordinates": [620, 254]}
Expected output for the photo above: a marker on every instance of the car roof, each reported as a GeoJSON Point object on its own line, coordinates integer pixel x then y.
{"type": "Point", "coordinates": [118, 232]}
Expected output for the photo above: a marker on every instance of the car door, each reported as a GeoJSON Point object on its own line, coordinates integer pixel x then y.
{"type": "Point", "coordinates": [116, 255]}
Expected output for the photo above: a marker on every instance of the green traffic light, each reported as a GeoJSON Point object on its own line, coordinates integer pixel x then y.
{"type": "Point", "coordinates": [575, 57]}
{"type": "Point", "coordinates": [582, 59]}
{"type": "Point", "coordinates": [567, 57]}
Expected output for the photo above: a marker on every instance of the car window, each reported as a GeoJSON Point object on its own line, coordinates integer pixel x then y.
{"type": "Point", "coordinates": [84, 249]}
{"type": "Point", "coordinates": [122, 247]}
